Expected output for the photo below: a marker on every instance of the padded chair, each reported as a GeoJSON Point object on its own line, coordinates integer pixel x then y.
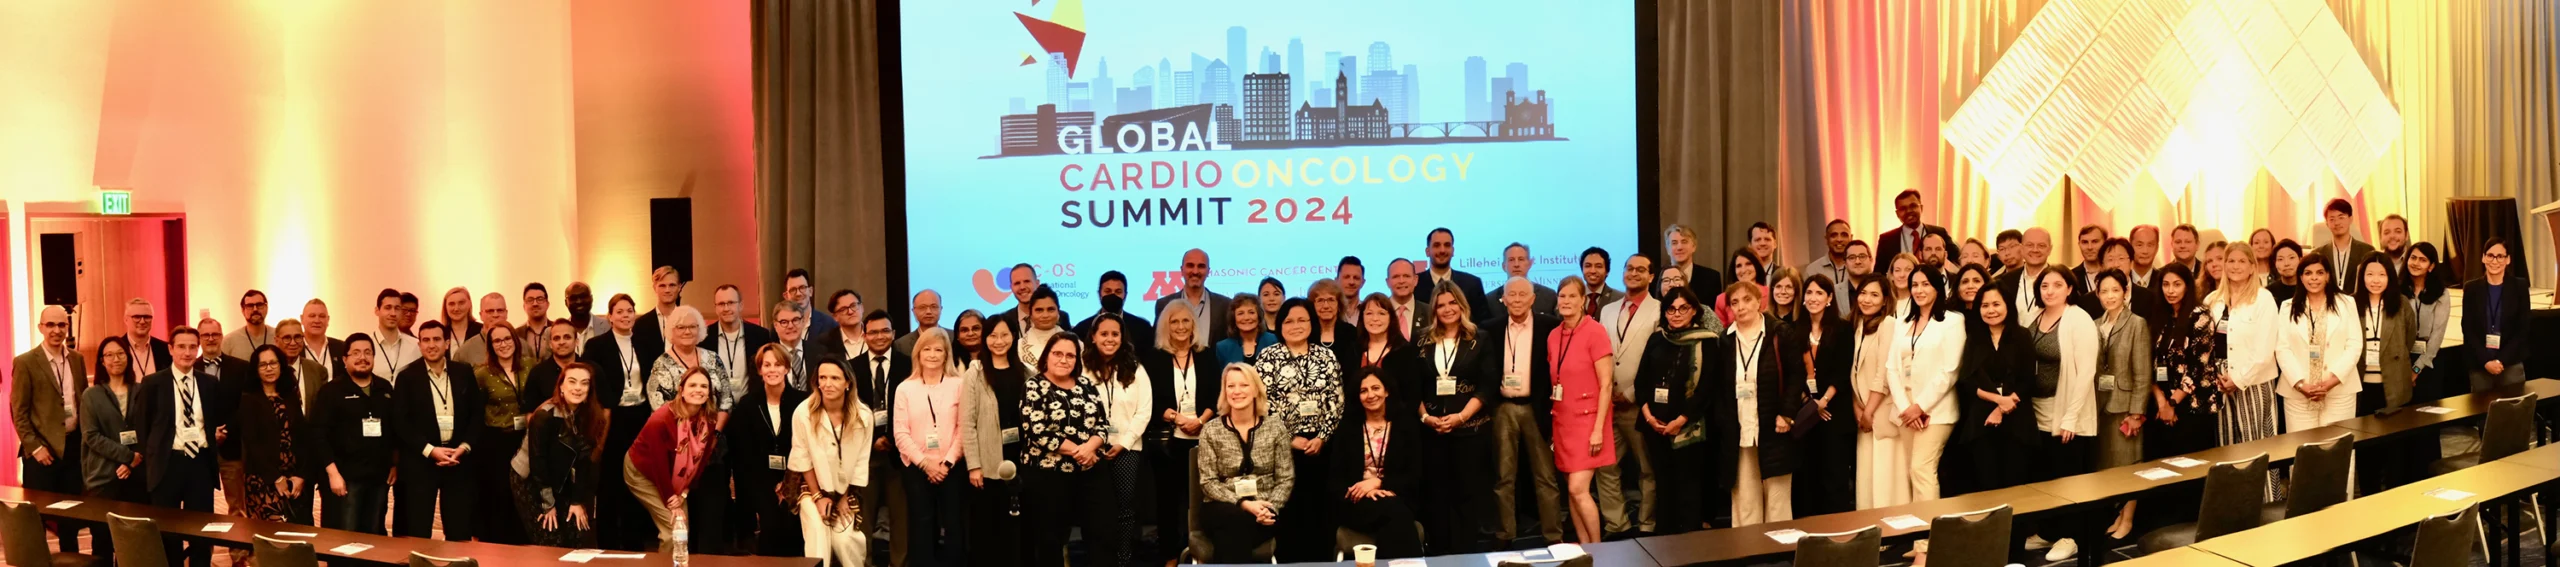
{"type": "Point", "coordinates": [1845, 549]}
{"type": "Point", "coordinates": [22, 539]}
{"type": "Point", "coordinates": [272, 552]}
{"type": "Point", "coordinates": [137, 541]}
{"type": "Point", "coordinates": [2234, 492]}
{"type": "Point", "coordinates": [2320, 471]}
{"type": "Point", "coordinates": [1202, 550]}
{"type": "Point", "coordinates": [2447, 540]}
{"type": "Point", "coordinates": [423, 560]}
{"type": "Point", "coordinates": [1971, 539]}
{"type": "Point", "coordinates": [2509, 430]}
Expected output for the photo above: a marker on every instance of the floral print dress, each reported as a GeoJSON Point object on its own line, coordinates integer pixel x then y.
{"type": "Point", "coordinates": [264, 501]}
{"type": "Point", "coordinates": [2183, 354]}
{"type": "Point", "coordinates": [1055, 417]}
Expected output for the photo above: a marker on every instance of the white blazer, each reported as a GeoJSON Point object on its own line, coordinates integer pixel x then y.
{"type": "Point", "coordinates": [1627, 337]}
{"type": "Point", "coordinates": [1922, 369]}
{"type": "Point", "coordinates": [839, 460]}
{"type": "Point", "coordinates": [2255, 331]}
{"type": "Point", "coordinates": [2074, 405]}
{"type": "Point", "coordinates": [1125, 407]}
{"type": "Point", "coordinates": [2344, 332]}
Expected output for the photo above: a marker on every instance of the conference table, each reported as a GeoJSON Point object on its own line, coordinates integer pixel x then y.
{"type": "Point", "coordinates": [326, 543]}
{"type": "Point", "coordinates": [2318, 533]}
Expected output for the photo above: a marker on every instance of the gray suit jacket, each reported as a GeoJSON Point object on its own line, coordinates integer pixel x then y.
{"type": "Point", "coordinates": [1221, 315]}
{"type": "Point", "coordinates": [35, 400]}
{"type": "Point", "coordinates": [2327, 254]}
{"type": "Point", "coordinates": [2398, 333]}
{"type": "Point", "coordinates": [102, 425]}
{"type": "Point", "coordinates": [2125, 355]}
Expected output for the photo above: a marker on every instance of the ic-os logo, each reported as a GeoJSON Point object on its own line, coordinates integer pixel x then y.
{"type": "Point", "coordinates": [994, 291]}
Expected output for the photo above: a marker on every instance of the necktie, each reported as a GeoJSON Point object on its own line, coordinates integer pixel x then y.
{"type": "Point", "coordinates": [187, 411]}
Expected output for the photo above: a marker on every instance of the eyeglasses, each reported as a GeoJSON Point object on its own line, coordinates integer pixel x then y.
{"type": "Point", "coordinates": [258, 305]}
{"type": "Point", "coordinates": [54, 325]}
{"type": "Point", "coordinates": [688, 327]}
{"type": "Point", "coordinates": [142, 318]}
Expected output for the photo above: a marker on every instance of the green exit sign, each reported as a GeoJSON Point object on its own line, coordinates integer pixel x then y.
{"type": "Point", "coordinates": [115, 202]}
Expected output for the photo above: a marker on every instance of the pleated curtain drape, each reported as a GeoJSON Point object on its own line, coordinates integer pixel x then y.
{"type": "Point", "coordinates": [820, 200]}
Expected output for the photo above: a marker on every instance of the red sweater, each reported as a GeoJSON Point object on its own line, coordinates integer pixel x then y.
{"type": "Point", "coordinates": [655, 451]}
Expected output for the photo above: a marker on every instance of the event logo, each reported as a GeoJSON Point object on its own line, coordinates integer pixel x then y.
{"type": "Point", "coordinates": [1166, 283]}
{"type": "Point", "coordinates": [989, 289]}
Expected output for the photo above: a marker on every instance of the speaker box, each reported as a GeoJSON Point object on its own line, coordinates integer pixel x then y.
{"type": "Point", "coordinates": [61, 268]}
{"type": "Point", "coordinates": [671, 235]}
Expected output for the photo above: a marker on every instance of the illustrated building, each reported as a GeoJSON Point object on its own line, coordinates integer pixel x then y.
{"type": "Point", "coordinates": [1037, 133]}
{"type": "Point", "coordinates": [1266, 107]}
{"type": "Point", "coordinates": [1526, 118]}
{"type": "Point", "coordinates": [1342, 121]}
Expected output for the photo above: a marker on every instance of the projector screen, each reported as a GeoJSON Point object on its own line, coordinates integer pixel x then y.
{"type": "Point", "coordinates": [1088, 136]}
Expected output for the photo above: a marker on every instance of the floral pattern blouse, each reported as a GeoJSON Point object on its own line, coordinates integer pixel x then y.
{"type": "Point", "coordinates": [1054, 417]}
{"type": "Point", "coordinates": [1306, 389]}
{"type": "Point", "coordinates": [669, 372]}
{"type": "Point", "coordinates": [2185, 351]}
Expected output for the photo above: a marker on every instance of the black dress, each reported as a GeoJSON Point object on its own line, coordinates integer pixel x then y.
{"type": "Point", "coordinates": [1999, 455]}
{"type": "Point", "coordinates": [1830, 452]}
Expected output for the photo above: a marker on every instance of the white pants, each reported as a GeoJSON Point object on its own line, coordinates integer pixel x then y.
{"type": "Point", "coordinates": [2304, 413]}
{"type": "Point", "coordinates": [1882, 465]}
{"type": "Point", "coordinates": [1920, 452]}
{"type": "Point", "coordinates": [842, 544]}
{"type": "Point", "coordinates": [1757, 500]}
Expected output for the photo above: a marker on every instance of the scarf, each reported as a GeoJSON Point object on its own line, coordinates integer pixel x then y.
{"type": "Point", "coordinates": [1692, 345]}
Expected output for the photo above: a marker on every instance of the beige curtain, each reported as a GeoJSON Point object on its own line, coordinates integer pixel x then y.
{"type": "Point", "coordinates": [1721, 148]}
{"type": "Point", "coordinates": [820, 200]}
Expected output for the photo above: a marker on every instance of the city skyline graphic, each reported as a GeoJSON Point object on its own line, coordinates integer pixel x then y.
{"type": "Point", "coordinates": [1267, 99]}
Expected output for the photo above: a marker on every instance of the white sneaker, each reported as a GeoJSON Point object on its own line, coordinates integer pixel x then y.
{"type": "Point", "coordinates": [2062, 550]}
{"type": "Point", "coordinates": [2037, 542]}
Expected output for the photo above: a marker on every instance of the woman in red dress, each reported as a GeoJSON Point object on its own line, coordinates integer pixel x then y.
{"type": "Point", "coordinates": [1584, 441]}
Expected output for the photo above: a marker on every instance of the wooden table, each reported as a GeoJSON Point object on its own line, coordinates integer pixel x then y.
{"type": "Point", "coordinates": [2464, 407]}
{"type": "Point", "coordinates": [1604, 554]}
{"type": "Point", "coordinates": [2364, 518]}
{"type": "Point", "coordinates": [387, 550]}
{"type": "Point", "coordinates": [1753, 542]}
{"type": "Point", "coordinates": [2182, 557]}
{"type": "Point", "coordinates": [2112, 485]}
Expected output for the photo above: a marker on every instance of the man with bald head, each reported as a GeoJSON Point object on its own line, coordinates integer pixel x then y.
{"type": "Point", "coordinates": [1208, 308]}
{"type": "Point", "coordinates": [2035, 250]}
{"type": "Point", "coordinates": [927, 307]}
{"type": "Point", "coordinates": [1521, 357]}
{"type": "Point", "coordinates": [42, 401]}
{"type": "Point", "coordinates": [320, 354]}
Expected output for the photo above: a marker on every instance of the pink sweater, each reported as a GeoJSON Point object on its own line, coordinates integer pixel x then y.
{"type": "Point", "coordinates": [928, 410]}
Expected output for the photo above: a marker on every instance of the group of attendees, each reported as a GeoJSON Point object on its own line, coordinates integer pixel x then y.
{"type": "Point", "coordinates": [1261, 423]}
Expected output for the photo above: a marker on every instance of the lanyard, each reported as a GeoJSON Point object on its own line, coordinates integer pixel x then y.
{"type": "Point", "coordinates": [1751, 354]}
{"type": "Point", "coordinates": [1511, 354]}
{"type": "Point", "coordinates": [1555, 361]}
{"type": "Point", "coordinates": [1632, 304]}
{"type": "Point", "coordinates": [1447, 355]}
{"type": "Point", "coordinates": [2495, 315]}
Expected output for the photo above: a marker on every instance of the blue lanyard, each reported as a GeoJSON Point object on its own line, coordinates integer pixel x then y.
{"type": "Point", "coordinates": [2493, 313]}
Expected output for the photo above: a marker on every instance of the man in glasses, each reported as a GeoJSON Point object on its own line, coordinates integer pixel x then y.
{"type": "Point", "coordinates": [254, 331]}
{"type": "Point", "coordinates": [139, 316]}
{"type": "Point", "coordinates": [41, 398]}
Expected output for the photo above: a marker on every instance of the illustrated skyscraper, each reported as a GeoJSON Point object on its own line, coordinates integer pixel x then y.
{"type": "Point", "coordinates": [1266, 107]}
{"type": "Point", "coordinates": [1219, 84]}
{"type": "Point", "coordinates": [1058, 79]}
{"type": "Point", "coordinates": [1237, 64]}
{"type": "Point", "coordinates": [1476, 103]}
{"type": "Point", "coordinates": [1297, 68]}
{"type": "Point", "coordinates": [1103, 97]}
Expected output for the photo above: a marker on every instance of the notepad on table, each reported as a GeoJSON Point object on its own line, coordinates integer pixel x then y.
{"type": "Point", "coordinates": [2438, 410]}
{"type": "Point", "coordinates": [1904, 522]}
{"type": "Point", "coordinates": [1786, 536]}
{"type": "Point", "coordinates": [217, 527]}
{"type": "Point", "coordinates": [63, 505]}
{"type": "Point", "coordinates": [350, 549]}
{"type": "Point", "coordinates": [2183, 462]}
{"type": "Point", "coordinates": [2450, 494]}
{"type": "Point", "coordinates": [2156, 473]}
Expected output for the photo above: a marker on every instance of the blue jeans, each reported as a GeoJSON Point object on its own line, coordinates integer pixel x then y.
{"type": "Point", "coordinates": [361, 510]}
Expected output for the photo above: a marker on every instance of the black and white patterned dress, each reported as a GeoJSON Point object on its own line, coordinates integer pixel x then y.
{"type": "Point", "coordinates": [1054, 417]}
{"type": "Point", "coordinates": [1306, 389]}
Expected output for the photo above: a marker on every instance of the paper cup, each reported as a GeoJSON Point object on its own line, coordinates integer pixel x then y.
{"type": "Point", "coordinates": [1364, 555]}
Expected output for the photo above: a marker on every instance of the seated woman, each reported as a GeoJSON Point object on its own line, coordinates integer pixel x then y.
{"type": "Point", "coordinates": [1381, 454]}
{"type": "Point", "coordinates": [562, 451]}
{"type": "Point", "coordinates": [1245, 469]}
{"type": "Point", "coordinates": [831, 475]}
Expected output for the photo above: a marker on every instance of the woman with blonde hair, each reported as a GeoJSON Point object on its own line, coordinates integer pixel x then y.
{"type": "Point", "coordinates": [670, 455]}
{"type": "Point", "coordinates": [1245, 469]}
{"type": "Point", "coordinates": [833, 468]}
{"type": "Point", "coordinates": [926, 423]}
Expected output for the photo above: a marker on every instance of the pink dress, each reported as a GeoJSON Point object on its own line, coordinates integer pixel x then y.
{"type": "Point", "coordinates": [1573, 350]}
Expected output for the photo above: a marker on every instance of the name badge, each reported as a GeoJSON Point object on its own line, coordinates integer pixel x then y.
{"type": "Point", "coordinates": [127, 438]}
{"type": "Point", "coordinates": [444, 422]}
{"type": "Point", "coordinates": [2108, 381]}
{"type": "Point", "coordinates": [2417, 345]}
{"type": "Point", "coordinates": [775, 462]}
{"type": "Point", "coordinates": [1306, 408]}
{"type": "Point", "coordinates": [516, 422]}
{"type": "Point", "coordinates": [1661, 395]}
{"type": "Point", "coordinates": [1012, 435]}
{"type": "Point", "coordinates": [1247, 487]}
{"type": "Point", "coordinates": [1514, 383]}
{"type": "Point", "coordinates": [1557, 394]}
{"type": "Point", "coordinates": [2315, 358]}
{"type": "Point", "coordinates": [2159, 374]}
{"type": "Point", "coordinates": [934, 440]}
{"type": "Point", "coordinates": [2222, 327]}
{"type": "Point", "coordinates": [372, 427]}
{"type": "Point", "coordinates": [2491, 340]}
{"type": "Point", "coordinates": [1446, 386]}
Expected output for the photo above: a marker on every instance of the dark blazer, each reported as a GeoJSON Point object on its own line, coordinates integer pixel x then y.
{"type": "Point", "coordinates": [1206, 385]}
{"type": "Point", "coordinates": [829, 345]}
{"type": "Point", "coordinates": [607, 358]}
{"type": "Point", "coordinates": [2515, 330]}
{"type": "Point", "coordinates": [1666, 365]}
{"type": "Point", "coordinates": [1469, 286]}
{"type": "Point", "coordinates": [880, 392]}
{"type": "Point", "coordinates": [339, 428]}
{"type": "Point", "coordinates": [160, 355]}
{"type": "Point", "coordinates": [1889, 243]}
{"type": "Point", "coordinates": [646, 338]}
{"type": "Point", "coordinates": [757, 337]}
{"type": "Point", "coordinates": [1404, 455]}
{"type": "Point", "coordinates": [753, 437]}
{"type": "Point", "coordinates": [35, 400]}
{"type": "Point", "coordinates": [2396, 333]}
{"type": "Point", "coordinates": [1497, 349]}
{"type": "Point", "coordinates": [2009, 366]}
{"type": "Point", "coordinates": [1780, 385]}
{"type": "Point", "coordinates": [1702, 278]}
{"type": "Point", "coordinates": [101, 427]}
{"type": "Point", "coordinates": [413, 409]}
{"type": "Point", "coordinates": [261, 435]}
{"type": "Point", "coordinates": [1477, 379]}
{"type": "Point", "coordinates": [1832, 363]}
{"type": "Point", "coordinates": [2328, 254]}
{"type": "Point", "coordinates": [158, 418]}
{"type": "Point", "coordinates": [542, 381]}
{"type": "Point", "coordinates": [1221, 313]}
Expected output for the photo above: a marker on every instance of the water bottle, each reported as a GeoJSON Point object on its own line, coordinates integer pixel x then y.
{"type": "Point", "coordinates": [680, 535]}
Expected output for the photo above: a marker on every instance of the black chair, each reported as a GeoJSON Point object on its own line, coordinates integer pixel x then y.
{"type": "Point", "coordinates": [272, 552]}
{"type": "Point", "coordinates": [1845, 549]}
{"type": "Point", "coordinates": [2447, 540]}
{"type": "Point", "coordinates": [2233, 494]}
{"type": "Point", "coordinates": [2320, 471]}
{"type": "Point", "coordinates": [1971, 539]}
{"type": "Point", "coordinates": [22, 539]}
{"type": "Point", "coordinates": [2509, 430]}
